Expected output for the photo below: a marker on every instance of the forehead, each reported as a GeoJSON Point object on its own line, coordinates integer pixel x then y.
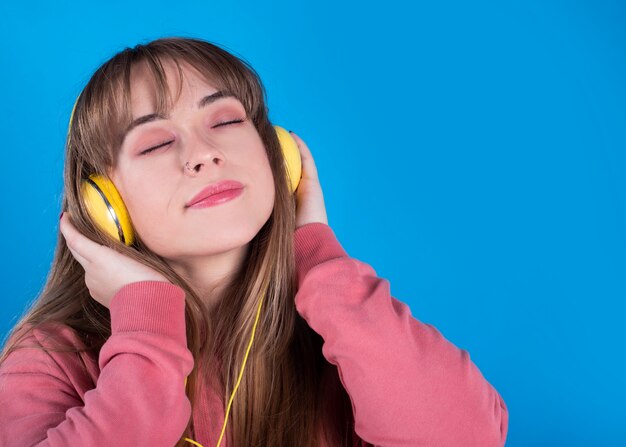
{"type": "Point", "coordinates": [144, 87]}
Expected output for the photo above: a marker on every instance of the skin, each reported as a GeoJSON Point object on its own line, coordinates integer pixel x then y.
{"type": "Point", "coordinates": [205, 246]}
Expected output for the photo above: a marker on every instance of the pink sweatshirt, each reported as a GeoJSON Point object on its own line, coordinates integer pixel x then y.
{"type": "Point", "coordinates": [409, 386]}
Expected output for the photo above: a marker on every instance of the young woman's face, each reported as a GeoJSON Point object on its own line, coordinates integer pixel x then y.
{"type": "Point", "coordinates": [156, 186]}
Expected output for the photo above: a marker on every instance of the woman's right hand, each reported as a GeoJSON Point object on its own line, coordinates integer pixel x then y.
{"type": "Point", "coordinates": [106, 270]}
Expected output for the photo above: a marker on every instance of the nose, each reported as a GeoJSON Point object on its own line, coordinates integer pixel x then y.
{"type": "Point", "coordinates": [201, 154]}
{"type": "Point", "coordinates": [192, 168]}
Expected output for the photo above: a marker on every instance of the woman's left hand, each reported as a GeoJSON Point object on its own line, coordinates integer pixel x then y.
{"type": "Point", "coordinates": [309, 197]}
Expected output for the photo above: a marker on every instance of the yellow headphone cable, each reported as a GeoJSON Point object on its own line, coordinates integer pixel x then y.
{"type": "Point", "coordinates": [238, 379]}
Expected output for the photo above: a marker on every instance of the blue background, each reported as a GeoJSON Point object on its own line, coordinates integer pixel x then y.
{"type": "Point", "coordinates": [471, 152]}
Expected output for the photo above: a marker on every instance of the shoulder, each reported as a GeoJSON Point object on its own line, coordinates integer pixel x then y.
{"type": "Point", "coordinates": [53, 349]}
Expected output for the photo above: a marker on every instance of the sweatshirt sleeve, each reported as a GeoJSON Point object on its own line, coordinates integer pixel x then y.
{"type": "Point", "coordinates": [408, 385]}
{"type": "Point", "coordinates": [139, 397]}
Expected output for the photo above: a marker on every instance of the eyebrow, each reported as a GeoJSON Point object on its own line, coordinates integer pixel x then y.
{"type": "Point", "coordinates": [209, 99]}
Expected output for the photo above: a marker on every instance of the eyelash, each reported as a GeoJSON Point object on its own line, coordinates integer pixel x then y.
{"type": "Point", "coordinates": [225, 123]}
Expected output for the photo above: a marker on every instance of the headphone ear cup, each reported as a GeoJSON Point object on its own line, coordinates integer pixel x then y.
{"type": "Point", "coordinates": [106, 208]}
{"type": "Point", "coordinates": [291, 155]}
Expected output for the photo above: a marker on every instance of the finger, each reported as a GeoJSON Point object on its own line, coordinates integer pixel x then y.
{"type": "Point", "coordinates": [66, 228]}
{"type": "Point", "coordinates": [83, 248]}
{"type": "Point", "coordinates": [308, 164]}
{"type": "Point", "coordinates": [82, 261]}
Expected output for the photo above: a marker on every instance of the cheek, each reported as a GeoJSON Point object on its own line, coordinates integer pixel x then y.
{"type": "Point", "coordinates": [266, 176]}
{"type": "Point", "coordinates": [144, 204]}
{"type": "Point", "coordinates": [268, 189]}
{"type": "Point", "coordinates": [261, 181]}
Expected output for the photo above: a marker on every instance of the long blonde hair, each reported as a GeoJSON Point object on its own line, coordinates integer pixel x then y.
{"type": "Point", "coordinates": [280, 400]}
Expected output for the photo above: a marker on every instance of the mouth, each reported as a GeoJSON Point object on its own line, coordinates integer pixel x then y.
{"type": "Point", "coordinates": [218, 198]}
{"type": "Point", "coordinates": [214, 192]}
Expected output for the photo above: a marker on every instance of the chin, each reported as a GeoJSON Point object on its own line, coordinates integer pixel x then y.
{"type": "Point", "coordinates": [211, 243]}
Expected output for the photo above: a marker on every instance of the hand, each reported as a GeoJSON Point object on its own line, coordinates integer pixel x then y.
{"type": "Point", "coordinates": [309, 197]}
{"type": "Point", "coordinates": [106, 270]}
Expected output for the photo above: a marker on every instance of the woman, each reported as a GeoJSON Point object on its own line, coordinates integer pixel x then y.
{"type": "Point", "coordinates": [145, 344]}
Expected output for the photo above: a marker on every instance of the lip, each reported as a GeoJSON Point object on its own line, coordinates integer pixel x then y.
{"type": "Point", "coordinates": [217, 192]}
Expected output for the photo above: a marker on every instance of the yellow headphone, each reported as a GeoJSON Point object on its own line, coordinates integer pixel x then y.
{"type": "Point", "coordinates": [107, 210]}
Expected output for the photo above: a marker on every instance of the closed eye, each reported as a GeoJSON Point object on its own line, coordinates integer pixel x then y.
{"type": "Point", "coordinates": [230, 122]}
{"type": "Point", "coordinates": [155, 147]}
{"type": "Point", "coordinates": [165, 143]}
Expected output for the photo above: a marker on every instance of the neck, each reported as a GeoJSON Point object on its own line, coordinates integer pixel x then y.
{"type": "Point", "coordinates": [210, 275]}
